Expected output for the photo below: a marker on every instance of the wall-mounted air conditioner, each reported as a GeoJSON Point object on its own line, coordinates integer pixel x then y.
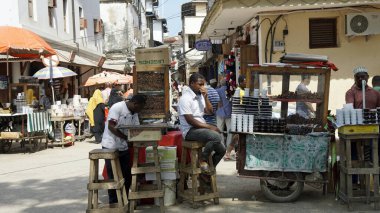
{"type": "Point", "coordinates": [359, 24]}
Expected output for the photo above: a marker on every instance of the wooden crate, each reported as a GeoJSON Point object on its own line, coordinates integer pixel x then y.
{"type": "Point", "coordinates": [10, 135]}
{"type": "Point", "coordinates": [359, 129]}
{"type": "Point", "coordinates": [144, 134]}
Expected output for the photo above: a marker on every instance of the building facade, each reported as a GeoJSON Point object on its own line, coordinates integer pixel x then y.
{"type": "Point", "coordinates": [320, 28]}
{"type": "Point", "coordinates": [72, 27]}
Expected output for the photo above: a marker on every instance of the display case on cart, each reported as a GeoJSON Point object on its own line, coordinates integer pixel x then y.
{"type": "Point", "coordinates": [281, 146]}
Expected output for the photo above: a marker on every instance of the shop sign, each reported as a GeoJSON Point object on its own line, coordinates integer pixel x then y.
{"type": "Point", "coordinates": [203, 45]}
{"type": "Point", "coordinates": [152, 57]}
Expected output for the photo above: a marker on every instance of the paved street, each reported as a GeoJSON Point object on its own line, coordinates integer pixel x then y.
{"type": "Point", "coordinates": [54, 180]}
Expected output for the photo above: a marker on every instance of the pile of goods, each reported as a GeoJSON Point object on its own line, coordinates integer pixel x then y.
{"type": "Point", "coordinates": [350, 116]}
{"type": "Point", "coordinates": [76, 108]}
{"type": "Point", "coordinates": [295, 95]}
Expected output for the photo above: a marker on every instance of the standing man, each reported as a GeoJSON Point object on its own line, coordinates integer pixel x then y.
{"type": "Point", "coordinates": [355, 94]}
{"type": "Point", "coordinates": [214, 99]}
{"type": "Point", "coordinates": [304, 109]}
{"type": "Point", "coordinates": [242, 84]}
{"type": "Point", "coordinates": [121, 113]}
{"type": "Point", "coordinates": [192, 106]}
{"type": "Point", "coordinates": [223, 114]}
{"type": "Point", "coordinates": [376, 83]}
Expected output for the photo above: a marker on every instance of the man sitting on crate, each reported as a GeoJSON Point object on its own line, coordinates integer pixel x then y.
{"type": "Point", "coordinates": [121, 113]}
{"type": "Point", "coordinates": [192, 106]}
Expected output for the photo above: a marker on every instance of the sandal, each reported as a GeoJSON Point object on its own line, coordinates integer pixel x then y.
{"type": "Point", "coordinates": [204, 167]}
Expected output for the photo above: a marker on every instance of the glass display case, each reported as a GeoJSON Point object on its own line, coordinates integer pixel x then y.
{"type": "Point", "coordinates": [297, 94]}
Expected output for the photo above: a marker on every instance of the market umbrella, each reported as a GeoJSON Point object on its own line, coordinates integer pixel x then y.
{"type": "Point", "coordinates": [56, 72]}
{"type": "Point", "coordinates": [108, 77]}
{"type": "Point", "coordinates": [22, 43]}
{"type": "Point", "coordinates": [53, 72]}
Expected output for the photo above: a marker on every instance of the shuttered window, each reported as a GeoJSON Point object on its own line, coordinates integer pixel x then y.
{"type": "Point", "coordinates": [322, 33]}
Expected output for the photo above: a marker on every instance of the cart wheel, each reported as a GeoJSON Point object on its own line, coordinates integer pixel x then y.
{"type": "Point", "coordinates": [5, 146]}
{"type": "Point", "coordinates": [281, 191]}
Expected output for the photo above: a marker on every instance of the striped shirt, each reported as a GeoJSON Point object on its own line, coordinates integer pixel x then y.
{"type": "Point", "coordinates": [214, 99]}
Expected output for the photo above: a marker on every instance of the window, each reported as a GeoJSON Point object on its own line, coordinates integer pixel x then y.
{"type": "Point", "coordinates": [322, 33]}
{"type": "Point", "coordinates": [51, 16]}
{"type": "Point", "coordinates": [82, 20]}
{"type": "Point", "coordinates": [65, 17]}
{"type": "Point", "coordinates": [30, 8]}
{"type": "Point", "coordinates": [191, 41]}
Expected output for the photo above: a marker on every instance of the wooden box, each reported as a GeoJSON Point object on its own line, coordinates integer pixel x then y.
{"type": "Point", "coordinates": [144, 134]}
{"type": "Point", "coordinates": [359, 129]}
{"type": "Point", "coordinates": [10, 135]}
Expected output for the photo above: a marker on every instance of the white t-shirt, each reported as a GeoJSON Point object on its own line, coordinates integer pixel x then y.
{"type": "Point", "coordinates": [123, 116]}
{"type": "Point", "coordinates": [190, 104]}
{"type": "Point", "coordinates": [106, 94]}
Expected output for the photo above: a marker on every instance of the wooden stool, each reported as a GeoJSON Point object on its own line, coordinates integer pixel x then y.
{"type": "Point", "coordinates": [148, 191]}
{"type": "Point", "coordinates": [194, 195]}
{"type": "Point", "coordinates": [347, 169]}
{"type": "Point", "coordinates": [95, 184]}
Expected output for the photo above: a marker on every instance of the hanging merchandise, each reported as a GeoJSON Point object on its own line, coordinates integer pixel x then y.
{"type": "Point", "coordinates": [221, 67]}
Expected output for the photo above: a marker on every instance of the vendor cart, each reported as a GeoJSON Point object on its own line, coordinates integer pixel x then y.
{"type": "Point", "coordinates": [283, 149]}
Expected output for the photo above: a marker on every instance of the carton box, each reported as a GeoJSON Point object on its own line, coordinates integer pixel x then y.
{"type": "Point", "coordinates": [165, 153]}
{"type": "Point", "coordinates": [169, 171]}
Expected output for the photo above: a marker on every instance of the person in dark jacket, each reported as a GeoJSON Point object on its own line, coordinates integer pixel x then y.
{"type": "Point", "coordinates": [114, 98]}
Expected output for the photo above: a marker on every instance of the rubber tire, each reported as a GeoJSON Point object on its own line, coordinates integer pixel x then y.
{"type": "Point", "coordinates": [292, 197]}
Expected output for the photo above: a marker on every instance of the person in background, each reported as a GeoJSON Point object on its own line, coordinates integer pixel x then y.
{"type": "Point", "coordinates": [106, 92]}
{"type": "Point", "coordinates": [45, 99]}
{"type": "Point", "coordinates": [214, 99]}
{"type": "Point", "coordinates": [121, 113]}
{"type": "Point", "coordinates": [115, 97]}
{"type": "Point", "coordinates": [355, 96]}
{"type": "Point", "coordinates": [193, 104]}
{"type": "Point", "coordinates": [304, 109]}
{"type": "Point", "coordinates": [223, 116]}
{"type": "Point", "coordinates": [376, 83]}
{"type": "Point", "coordinates": [242, 84]}
{"type": "Point", "coordinates": [96, 114]}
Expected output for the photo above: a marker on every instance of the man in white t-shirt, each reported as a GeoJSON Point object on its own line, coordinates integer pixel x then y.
{"type": "Point", "coordinates": [121, 113]}
{"type": "Point", "coordinates": [192, 106]}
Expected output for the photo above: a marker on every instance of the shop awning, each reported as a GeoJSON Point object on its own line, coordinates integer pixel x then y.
{"type": "Point", "coordinates": [64, 56]}
{"type": "Point", "coordinates": [3, 59]}
{"type": "Point", "coordinates": [222, 21]}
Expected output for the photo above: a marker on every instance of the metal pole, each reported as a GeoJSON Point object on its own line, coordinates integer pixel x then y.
{"type": "Point", "coordinates": [51, 78]}
{"type": "Point", "coordinates": [363, 91]}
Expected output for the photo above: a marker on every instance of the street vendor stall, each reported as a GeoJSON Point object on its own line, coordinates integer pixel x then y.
{"type": "Point", "coordinates": [277, 144]}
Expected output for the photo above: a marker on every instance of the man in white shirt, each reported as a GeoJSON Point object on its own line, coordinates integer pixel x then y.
{"type": "Point", "coordinates": [121, 113]}
{"type": "Point", "coordinates": [192, 106]}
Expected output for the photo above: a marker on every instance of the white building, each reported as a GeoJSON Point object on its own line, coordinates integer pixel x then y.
{"type": "Point", "coordinates": [67, 25]}
{"type": "Point", "coordinates": [193, 14]}
{"type": "Point", "coordinates": [129, 24]}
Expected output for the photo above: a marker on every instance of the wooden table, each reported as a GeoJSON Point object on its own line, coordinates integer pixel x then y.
{"type": "Point", "coordinates": [142, 136]}
{"type": "Point", "coordinates": [62, 121]}
{"type": "Point", "coordinates": [347, 170]}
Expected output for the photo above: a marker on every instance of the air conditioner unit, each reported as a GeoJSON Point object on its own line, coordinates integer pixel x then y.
{"type": "Point", "coordinates": [359, 24]}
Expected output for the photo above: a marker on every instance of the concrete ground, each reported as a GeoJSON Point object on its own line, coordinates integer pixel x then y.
{"type": "Point", "coordinates": [54, 180]}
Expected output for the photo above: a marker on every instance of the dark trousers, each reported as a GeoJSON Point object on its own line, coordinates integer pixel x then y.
{"type": "Point", "coordinates": [125, 169]}
{"type": "Point", "coordinates": [212, 140]}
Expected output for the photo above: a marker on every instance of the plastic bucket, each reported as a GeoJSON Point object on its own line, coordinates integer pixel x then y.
{"type": "Point", "coordinates": [169, 187]}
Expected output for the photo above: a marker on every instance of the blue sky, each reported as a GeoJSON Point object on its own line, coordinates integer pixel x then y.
{"type": "Point", "coordinates": [171, 10]}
